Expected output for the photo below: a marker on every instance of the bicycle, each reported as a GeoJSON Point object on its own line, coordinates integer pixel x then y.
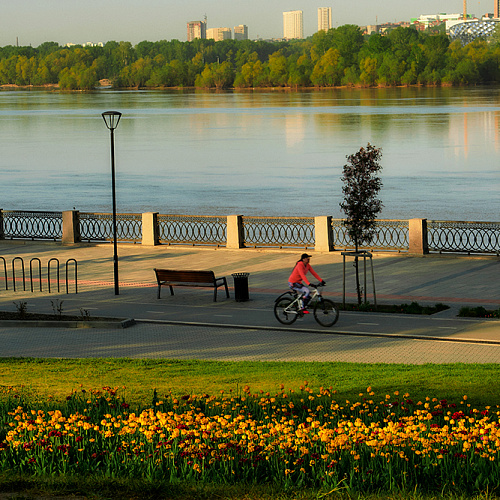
{"type": "Point", "coordinates": [289, 306]}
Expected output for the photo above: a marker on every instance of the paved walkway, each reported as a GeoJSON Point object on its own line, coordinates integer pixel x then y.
{"type": "Point", "coordinates": [189, 325]}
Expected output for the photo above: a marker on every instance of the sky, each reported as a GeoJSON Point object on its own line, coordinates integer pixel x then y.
{"type": "Point", "coordinates": [32, 22]}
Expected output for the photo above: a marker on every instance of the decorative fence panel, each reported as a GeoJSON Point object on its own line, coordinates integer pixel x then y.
{"type": "Point", "coordinates": [31, 225]}
{"type": "Point", "coordinates": [390, 235]}
{"type": "Point", "coordinates": [192, 229]}
{"type": "Point", "coordinates": [280, 232]}
{"type": "Point", "coordinates": [463, 237]}
{"type": "Point", "coordinates": [99, 227]}
{"type": "Point", "coordinates": [272, 232]}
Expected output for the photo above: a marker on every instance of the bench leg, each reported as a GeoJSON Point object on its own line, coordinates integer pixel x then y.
{"type": "Point", "coordinates": [171, 290]}
{"type": "Point", "coordinates": [225, 286]}
{"type": "Point", "coordinates": [215, 293]}
{"type": "Point", "coordinates": [158, 293]}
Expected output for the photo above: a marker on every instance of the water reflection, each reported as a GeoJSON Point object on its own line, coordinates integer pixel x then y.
{"type": "Point", "coordinates": [257, 152]}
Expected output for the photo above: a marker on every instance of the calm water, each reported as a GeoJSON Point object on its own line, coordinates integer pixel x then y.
{"type": "Point", "coordinates": [265, 153]}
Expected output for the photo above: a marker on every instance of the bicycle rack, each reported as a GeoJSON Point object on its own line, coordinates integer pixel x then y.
{"type": "Point", "coordinates": [36, 259]}
{"type": "Point", "coordinates": [5, 273]}
{"type": "Point", "coordinates": [76, 275]}
{"type": "Point", "coordinates": [48, 273]}
{"type": "Point", "coordinates": [33, 263]}
{"type": "Point", "coordinates": [14, 272]}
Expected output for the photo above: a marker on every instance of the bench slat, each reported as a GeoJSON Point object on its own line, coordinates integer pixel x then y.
{"type": "Point", "coordinates": [171, 277]}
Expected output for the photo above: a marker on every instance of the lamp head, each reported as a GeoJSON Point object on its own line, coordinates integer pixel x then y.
{"type": "Point", "coordinates": [111, 119]}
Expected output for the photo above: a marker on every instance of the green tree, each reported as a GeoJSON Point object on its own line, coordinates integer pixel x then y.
{"type": "Point", "coordinates": [278, 70]}
{"type": "Point", "coordinates": [300, 72]}
{"type": "Point", "coordinates": [348, 40]}
{"type": "Point", "coordinates": [251, 74]}
{"type": "Point", "coordinates": [215, 75]}
{"type": "Point", "coordinates": [328, 70]}
{"type": "Point", "coordinates": [360, 204]}
{"type": "Point", "coordinates": [368, 67]}
{"type": "Point", "coordinates": [391, 70]}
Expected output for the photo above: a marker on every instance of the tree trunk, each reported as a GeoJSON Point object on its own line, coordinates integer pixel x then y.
{"type": "Point", "coordinates": [356, 265]}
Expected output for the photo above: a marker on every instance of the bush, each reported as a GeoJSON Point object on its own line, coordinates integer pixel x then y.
{"type": "Point", "coordinates": [413, 308]}
{"type": "Point", "coordinates": [478, 312]}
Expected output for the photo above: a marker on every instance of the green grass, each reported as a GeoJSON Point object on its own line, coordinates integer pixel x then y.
{"type": "Point", "coordinates": [97, 488]}
{"type": "Point", "coordinates": [57, 378]}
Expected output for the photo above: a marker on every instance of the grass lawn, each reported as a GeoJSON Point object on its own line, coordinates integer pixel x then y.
{"type": "Point", "coordinates": [57, 378]}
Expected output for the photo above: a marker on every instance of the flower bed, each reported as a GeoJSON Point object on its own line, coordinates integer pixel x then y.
{"type": "Point", "coordinates": [289, 440]}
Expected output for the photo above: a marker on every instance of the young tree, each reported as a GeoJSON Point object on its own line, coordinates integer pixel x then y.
{"type": "Point", "coordinates": [360, 205]}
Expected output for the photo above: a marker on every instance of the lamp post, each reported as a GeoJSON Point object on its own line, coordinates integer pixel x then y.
{"type": "Point", "coordinates": [111, 119]}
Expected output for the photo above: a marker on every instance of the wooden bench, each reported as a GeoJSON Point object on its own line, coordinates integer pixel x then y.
{"type": "Point", "coordinates": [189, 278]}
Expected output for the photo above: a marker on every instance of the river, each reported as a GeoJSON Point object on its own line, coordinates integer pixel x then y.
{"type": "Point", "coordinates": [273, 153]}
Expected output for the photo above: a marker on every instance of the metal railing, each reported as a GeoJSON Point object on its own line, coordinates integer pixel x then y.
{"type": "Point", "coordinates": [99, 227]}
{"type": "Point", "coordinates": [463, 237]}
{"type": "Point", "coordinates": [252, 231]}
{"type": "Point", "coordinates": [390, 235]}
{"type": "Point", "coordinates": [32, 225]}
{"type": "Point", "coordinates": [280, 232]}
{"type": "Point", "coordinates": [192, 229]}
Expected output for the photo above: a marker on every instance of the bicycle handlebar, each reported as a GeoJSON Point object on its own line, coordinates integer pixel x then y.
{"type": "Point", "coordinates": [317, 285]}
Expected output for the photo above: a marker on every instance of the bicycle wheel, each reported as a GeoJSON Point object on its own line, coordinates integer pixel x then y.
{"type": "Point", "coordinates": [285, 311]}
{"type": "Point", "coordinates": [326, 312]}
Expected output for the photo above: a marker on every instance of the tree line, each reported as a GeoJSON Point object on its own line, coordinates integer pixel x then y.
{"type": "Point", "coordinates": [340, 56]}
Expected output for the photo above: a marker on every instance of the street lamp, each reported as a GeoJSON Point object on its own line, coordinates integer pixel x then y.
{"type": "Point", "coordinates": [111, 119]}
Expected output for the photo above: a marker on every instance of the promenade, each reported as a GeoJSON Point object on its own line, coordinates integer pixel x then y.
{"type": "Point", "coordinates": [189, 325]}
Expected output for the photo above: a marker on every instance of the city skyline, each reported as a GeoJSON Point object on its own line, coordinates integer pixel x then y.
{"type": "Point", "coordinates": [30, 22]}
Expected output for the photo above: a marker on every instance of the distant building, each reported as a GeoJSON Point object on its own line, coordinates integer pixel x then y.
{"type": "Point", "coordinates": [428, 20]}
{"type": "Point", "coordinates": [496, 9]}
{"type": "Point", "coordinates": [241, 32]}
{"type": "Point", "coordinates": [293, 25]}
{"type": "Point", "coordinates": [219, 34]}
{"type": "Point", "coordinates": [372, 28]}
{"type": "Point", "coordinates": [86, 44]}
{"type": "Point", "coordinates": [325, 18]}
{"type": "Point", "coordinates": [196, 29]}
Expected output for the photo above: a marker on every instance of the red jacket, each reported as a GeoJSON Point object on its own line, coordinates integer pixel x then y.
{"type": "Point", "coordinates": [299, 273]}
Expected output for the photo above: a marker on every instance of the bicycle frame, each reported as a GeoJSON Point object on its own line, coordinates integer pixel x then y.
{"type": "Point", "coordinates": [289, 306]}
{"type": "Point", "coordinates": [298, 296]}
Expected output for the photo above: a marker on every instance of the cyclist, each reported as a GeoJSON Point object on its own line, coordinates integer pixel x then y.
{"type": "Point", "coordinates": [302, 267]}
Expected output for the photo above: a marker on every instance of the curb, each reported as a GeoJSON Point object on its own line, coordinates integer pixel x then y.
{"type": "Point", "coordinates": [67, 324]}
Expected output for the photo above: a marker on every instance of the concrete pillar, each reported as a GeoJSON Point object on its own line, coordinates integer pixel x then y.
{"type": "Point", "coordinates": [418, 237]}
{"type": "Point", "coordinates": [323, 234]}
{"type": "Point", "coordinates": [150, 230]}
{"type": "Point", "coordinates": [71, 226]}
{"type": "Point", "coordinates": [235, 237]}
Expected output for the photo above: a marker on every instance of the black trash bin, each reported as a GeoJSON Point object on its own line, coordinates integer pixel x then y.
{"type": "Point", "coordinates": [240, 286]}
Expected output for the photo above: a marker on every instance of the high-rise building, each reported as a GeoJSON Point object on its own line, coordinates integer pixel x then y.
{"type": "Point", "coordinates": [496, 9]}
{"type": "Point", "coordinates": [292, 24]}
{"type": "Point", "coordinates": [325, 18]}
{"type": "Point", "coordinates": [219, 34]}
{"type": "Point", "coordinates": [241, 32]}
{"type": "Point", "coordinates": [196, 29]}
